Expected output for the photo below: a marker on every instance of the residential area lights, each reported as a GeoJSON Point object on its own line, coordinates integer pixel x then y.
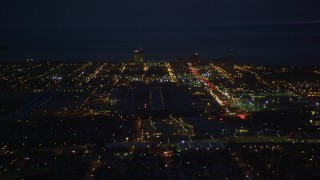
{"type": "Point", "coordinates": [168, 119]}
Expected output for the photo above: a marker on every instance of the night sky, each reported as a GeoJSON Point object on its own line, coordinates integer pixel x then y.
{"type": "Point", "coordinates": [254, 31]}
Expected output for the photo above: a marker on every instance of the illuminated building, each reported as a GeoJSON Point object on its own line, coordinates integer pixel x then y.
{"type": "Point", "coordinates": [139, 55]}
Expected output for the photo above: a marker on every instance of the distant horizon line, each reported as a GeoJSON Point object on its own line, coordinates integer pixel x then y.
{"type": "Point", "coordinates": [200, 28]}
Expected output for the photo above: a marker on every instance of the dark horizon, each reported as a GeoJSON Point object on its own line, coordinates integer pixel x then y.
{"type": "Point", "coordinates": [266, 32]}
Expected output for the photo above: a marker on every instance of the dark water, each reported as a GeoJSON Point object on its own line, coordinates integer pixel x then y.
{"type": "Point", "coordinates": [259, 44]}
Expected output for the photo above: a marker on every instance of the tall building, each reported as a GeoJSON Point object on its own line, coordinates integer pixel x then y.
{"type": "Point", "coordinates": [195, 58]}
{"type": "Point", "coordinates": [139, 55]}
